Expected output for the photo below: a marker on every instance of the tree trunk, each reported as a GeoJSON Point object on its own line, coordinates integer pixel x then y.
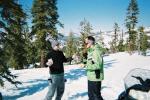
{"type": "Point", "coordinates": [42, 64]}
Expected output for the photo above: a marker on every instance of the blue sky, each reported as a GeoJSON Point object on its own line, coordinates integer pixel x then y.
{"type": "Point", "coordinates": [102, 14]}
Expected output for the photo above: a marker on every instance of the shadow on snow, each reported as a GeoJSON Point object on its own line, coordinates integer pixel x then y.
{"type": "Point", "coordinates": [37, 85]}
{"type": "Point", "coordinates": [83, 94]}
{"type": "Point", "coordinates": [108, 64]}
{"type": "Point", "coordinates": [75, 74]}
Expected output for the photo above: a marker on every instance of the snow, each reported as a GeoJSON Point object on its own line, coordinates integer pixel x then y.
{"type": "Point", "coordinates": [147, 29]}
{"type": "Point", "coordinates": [35, 84]}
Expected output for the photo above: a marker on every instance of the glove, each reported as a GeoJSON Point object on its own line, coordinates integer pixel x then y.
{"type": "Point", "coordinates": [84, 62]}
{"type": "Point", "coordinates": [50, 80]}
{"type": "Point", "coordinates": [85, 55]}
{"type": "Point", "coordinates": [65, 80]}
{"type": "Point", "coordinates": [92, 62]}
{"type": "Point", "coordinates": [97, 73]}
{"type": "Point", "coordinates": [69, 59]}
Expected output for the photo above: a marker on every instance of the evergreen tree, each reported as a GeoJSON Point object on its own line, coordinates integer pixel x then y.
{"type": "Point", "coordinates": [12, 24]}
{"type": "Point", "coordinates": [121, 46]}
{"type": "Point", "coordinates": [5, 74]}
{"type": "Point", "coordinates": [45, 18]}
{"type": "Point", "coordinates": [86, 27]}
{"type": "Point", "coordinates": [30, 47]}
{"type": "Point", "coordinates": [131, 21]}
{"type": "Point", "coordinates": [71, 48]}
{"type": "Point", "coordinates": [101, 39]}
{"type": "Point", "coordinates": [115, 38]}
{"type": "Point", "coordinates": [85, 30]}
{"type": "Point", "coordinates": [143, 41]}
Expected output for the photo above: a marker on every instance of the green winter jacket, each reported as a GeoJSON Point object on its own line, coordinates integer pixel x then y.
{"type": "Point", "coordinates": [94, 62]}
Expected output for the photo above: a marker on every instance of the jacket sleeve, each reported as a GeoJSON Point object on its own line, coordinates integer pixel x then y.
{"type": "Point", "coordinates": [48, 56]}
{"type": "Point", "coordinates": [64, 59]}
{"type": "Point", "coordinates": [96, 61]}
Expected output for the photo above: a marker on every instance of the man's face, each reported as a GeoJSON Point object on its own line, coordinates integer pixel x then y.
{"type": "Point", "coordinates": [88, 43]}
{"type": "Point", "coordinates": [56, 47]}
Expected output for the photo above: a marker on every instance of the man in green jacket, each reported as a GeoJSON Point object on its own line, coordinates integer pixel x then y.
{"type": "Point", "coordinates": [94, 67]}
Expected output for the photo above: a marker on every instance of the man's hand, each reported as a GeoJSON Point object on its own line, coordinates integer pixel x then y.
{"type": "Point", "coordinates": [81, 65]}
{"type": "Point", "coordinates": [69, 59]}
{"type": "Point", "coordinates": [97, 73]}
{"type": "Point", "coordinates": [50, 62]}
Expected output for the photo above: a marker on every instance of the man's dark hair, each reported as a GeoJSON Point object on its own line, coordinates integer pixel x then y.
{"type": "Point", "coordinates": [91, 38]}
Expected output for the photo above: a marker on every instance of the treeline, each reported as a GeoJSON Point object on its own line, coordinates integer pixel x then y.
{"type": "Point", "coordinates": [137, 38]}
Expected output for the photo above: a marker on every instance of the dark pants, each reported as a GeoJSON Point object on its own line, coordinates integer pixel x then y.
{"type": "Point", "coordinates": [1, 98]}
{"type": "Point", "coordinates": [56, 85]}
{"type": "Point", "coordinates": [94, 90]}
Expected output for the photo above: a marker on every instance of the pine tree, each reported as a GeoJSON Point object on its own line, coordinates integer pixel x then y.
{"type": "Point", "coordinates": [85, 30]}
{"type": "Point", "coordinates": [12, 22]}
{"type": "Point", "coordinates": [86, 27]}
{"type": "Point", "coordinates": [71, 48]}
{"type": "Point", "coordinates": [131, 21]}
{"type": "Point", "coordinates": [121, 46]}
{"type": "Point", "coordinates": [101, 39]}
{"type": "Point", "coordinates": [30, 48]}
{"type": "Point", "coordinates": [115, 38]}
{"type": "Point", "coordinates": [143, 41]}
{"type": "Point", "coordinates": [45, 18]}
{"type": "Point", "coordinates": [5, 74]}
{"type": "Point", "coordinates": [144, 44]}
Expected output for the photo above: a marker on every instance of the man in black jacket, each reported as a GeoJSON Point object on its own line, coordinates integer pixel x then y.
{"type": "Point", "coordinates": [55, 60]}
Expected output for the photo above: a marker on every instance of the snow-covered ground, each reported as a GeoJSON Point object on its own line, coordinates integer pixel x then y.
{"type": "Point", "coordinates": [35, 84]}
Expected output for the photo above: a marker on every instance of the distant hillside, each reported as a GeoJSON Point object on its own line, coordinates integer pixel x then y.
{"type": "Point", "coordinates": [107, 36]}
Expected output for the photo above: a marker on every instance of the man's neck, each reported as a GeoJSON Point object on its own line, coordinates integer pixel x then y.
{"type": "Point", "coordinates": [55, 50]}
{"type": "Point", "coordinates": [92, 46]}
